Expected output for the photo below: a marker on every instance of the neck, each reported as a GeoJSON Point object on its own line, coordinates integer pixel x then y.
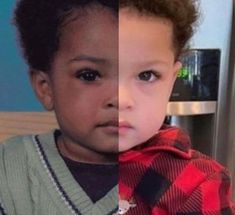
{"type": "Point", "coordinates": [82, 154]}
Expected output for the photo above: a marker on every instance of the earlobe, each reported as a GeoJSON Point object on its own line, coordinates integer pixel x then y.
{"type": "Point", "coordinates": [42, 87]}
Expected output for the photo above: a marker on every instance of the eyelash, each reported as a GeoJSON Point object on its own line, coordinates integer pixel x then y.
{"type": "Point", "coordinates": [91, 75]}
{"type": "Point", "coordinates": [149, 76]}
{"type": "Point", "coordinates": [88, 75]}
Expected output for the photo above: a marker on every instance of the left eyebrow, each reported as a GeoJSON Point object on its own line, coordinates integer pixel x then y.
{"type": "Point", "coordinates": [154, 62]}
{"type": "Point", "coordinates": [90, 59]}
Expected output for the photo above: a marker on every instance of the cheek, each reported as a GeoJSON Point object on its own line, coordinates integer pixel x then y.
{"type": "Point", "coordinates": [151, 120]}
{"type": "Point", "coordinates": [77, 115]}
{"type": "Point", "coordinates": [153, 110]}
{"type": "Point", "coordinates": [79, 105]}
{"type": "Point", "coordinates": [77, 94]}
{"type": "Point", "coordinates": [154, 97]}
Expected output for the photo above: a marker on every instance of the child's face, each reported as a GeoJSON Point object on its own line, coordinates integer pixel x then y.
{"type": "Point", "coordinates": [82, 86]}
{"type": "Point", "coordinates": [147, 71]}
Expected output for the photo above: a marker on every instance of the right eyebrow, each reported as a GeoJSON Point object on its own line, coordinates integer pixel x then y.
{"type": "Point", "coordinates": [89, 58]}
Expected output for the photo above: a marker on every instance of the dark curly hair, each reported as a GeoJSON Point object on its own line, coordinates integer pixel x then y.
{"type": "Point", "coordinates": [182, 13]}
{"type": "Point", "coordinates": [39, 23]}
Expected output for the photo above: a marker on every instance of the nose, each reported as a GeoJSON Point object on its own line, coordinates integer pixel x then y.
{"type": "Point", "coordinates": [125, 99]}
{"type": "Point", "coordinates": [112, 102]}
{"type": "Point", "coordinates": [112, 95]}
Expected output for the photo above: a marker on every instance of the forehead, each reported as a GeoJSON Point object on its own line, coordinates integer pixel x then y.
{"type": "Point", "coordinates": [144, 36]}
{"type": "Point", "coordinates": [87, 13]}
{"type": "Point", "coordinates": [88, 19]}
{"type": "Point", "coordinates": [144, 24]}
{"type": "Point", "coordinates": [93, 31]}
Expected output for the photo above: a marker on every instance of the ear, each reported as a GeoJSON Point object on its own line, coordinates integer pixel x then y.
{"type": "Point", "coordinates": [41, 83]}
{"type": "Point", "coordinates": [177, 67]}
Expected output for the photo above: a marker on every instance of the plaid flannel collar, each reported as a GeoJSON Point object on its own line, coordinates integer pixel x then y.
{"type": "Point", "coordinates": [168, 139]}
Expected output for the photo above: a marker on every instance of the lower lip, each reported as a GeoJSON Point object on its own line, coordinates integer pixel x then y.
{"type": "Point", "coordinates": [110, 129]}
{"type": "Point", "coordinates": [123, 130]}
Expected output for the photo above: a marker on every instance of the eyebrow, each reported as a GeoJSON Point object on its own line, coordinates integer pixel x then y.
{"type": "Point", "coordinates": [153, 62]}
{"type": "Point", "coordinates": [89, 58]}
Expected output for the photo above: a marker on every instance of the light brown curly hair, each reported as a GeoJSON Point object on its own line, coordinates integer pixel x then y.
{"type": "Point", "coordinates": [182, 14]}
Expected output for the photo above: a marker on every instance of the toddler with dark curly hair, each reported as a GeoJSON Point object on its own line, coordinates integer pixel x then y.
{"type": "Point", "coordinates": [71, 47]}
{"type": "Point", "coordinates": [159, 173]}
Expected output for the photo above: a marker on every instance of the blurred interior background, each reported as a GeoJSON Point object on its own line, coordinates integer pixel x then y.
{"type": "Point", "coordinates": [203, 99]}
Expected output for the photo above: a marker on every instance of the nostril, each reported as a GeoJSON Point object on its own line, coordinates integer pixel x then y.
{"type": "Point", "coordinates": [110, 105]}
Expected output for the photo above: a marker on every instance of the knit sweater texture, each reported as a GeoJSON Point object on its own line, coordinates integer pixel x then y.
{"type": "Point", "coordinates": [34, 180]}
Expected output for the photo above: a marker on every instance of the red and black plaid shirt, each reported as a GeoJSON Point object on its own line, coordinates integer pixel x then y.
{"type": "Point", "coordinates": [165, 176]}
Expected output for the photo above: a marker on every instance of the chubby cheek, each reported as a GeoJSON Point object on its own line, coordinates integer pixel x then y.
{"type": "Point", "coordinates": [77, 105]}
{"type": "Point", "coordinates": [152, 113]}
{"type": "Point", "coordinates": [152, 118]}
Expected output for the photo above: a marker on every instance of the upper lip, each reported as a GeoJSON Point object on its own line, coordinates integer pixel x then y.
{"type": "Point", "coordinates": [124, 124]}
{"type": "Point", "coordinates": [113, 123]}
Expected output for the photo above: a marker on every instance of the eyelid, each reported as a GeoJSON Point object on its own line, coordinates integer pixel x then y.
{"type": "Point", "coordinates": [155, 73]}
{"type": "Point", "coordinates": [81, 72]}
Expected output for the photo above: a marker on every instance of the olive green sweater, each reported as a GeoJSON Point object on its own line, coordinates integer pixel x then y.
{"type": "Point", "coordinates": [34, 180]}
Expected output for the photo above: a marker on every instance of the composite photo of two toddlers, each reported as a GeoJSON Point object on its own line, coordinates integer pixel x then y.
{"type": "Point", "coordinates": [111, 107]}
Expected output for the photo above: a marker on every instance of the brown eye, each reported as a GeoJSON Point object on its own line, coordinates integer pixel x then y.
{"type": "Point", "coordinates": [88, 75]}
{"type": "Point", "coordinates": [148, 76]}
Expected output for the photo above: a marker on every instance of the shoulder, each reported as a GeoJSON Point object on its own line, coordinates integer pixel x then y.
{"type": "Point", "coordinates": [14, 154]}
{"type": "Point", "coordinates": [195, 183]}
{"type": "Point", "coordinates": [13, 145]}
{"type": "Point", "coordinates": [206, 186]}
{"type": "Point", "coordinates": [173, 152]}
{"type": "Point", "coordinates": [199, 169]}
{"type": "Point", "coordinates": [24, 142]}
{"type": "Point", "coordinates": [20, 149]}
{"type": "Point", "coordinates": [205, 164]}
{"type": "Point", "coordinates": [185, 171]}
{"type": "Point", "coordinates": [13, 168]}
{"type": "Point", "coordinates": [20, 168]}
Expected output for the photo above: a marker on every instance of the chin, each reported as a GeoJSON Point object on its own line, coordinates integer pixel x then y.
{"type": "Point", "coordinates": [124, 148]}
{"type": "Point", "coordinates": [109, 150]}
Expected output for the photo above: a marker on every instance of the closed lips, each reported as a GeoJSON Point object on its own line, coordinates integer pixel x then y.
{"type": "Point", "coordinates": [124, 124]}
{"type": "Point", "coordinates": [112, 123]}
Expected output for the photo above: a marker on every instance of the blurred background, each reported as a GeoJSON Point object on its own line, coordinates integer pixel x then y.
{"type": "Point", "coordinates": [20, 112]}
{"type": "Point", "coordinates": [203, 99]}
{"type": "Point", "coordinates": [15, 90]}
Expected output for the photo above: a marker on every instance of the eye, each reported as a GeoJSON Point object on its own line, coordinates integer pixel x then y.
{"type": "Point", "coordinates": [149, 76]}
{"type": "Point", "coordinates": [88, 75]}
